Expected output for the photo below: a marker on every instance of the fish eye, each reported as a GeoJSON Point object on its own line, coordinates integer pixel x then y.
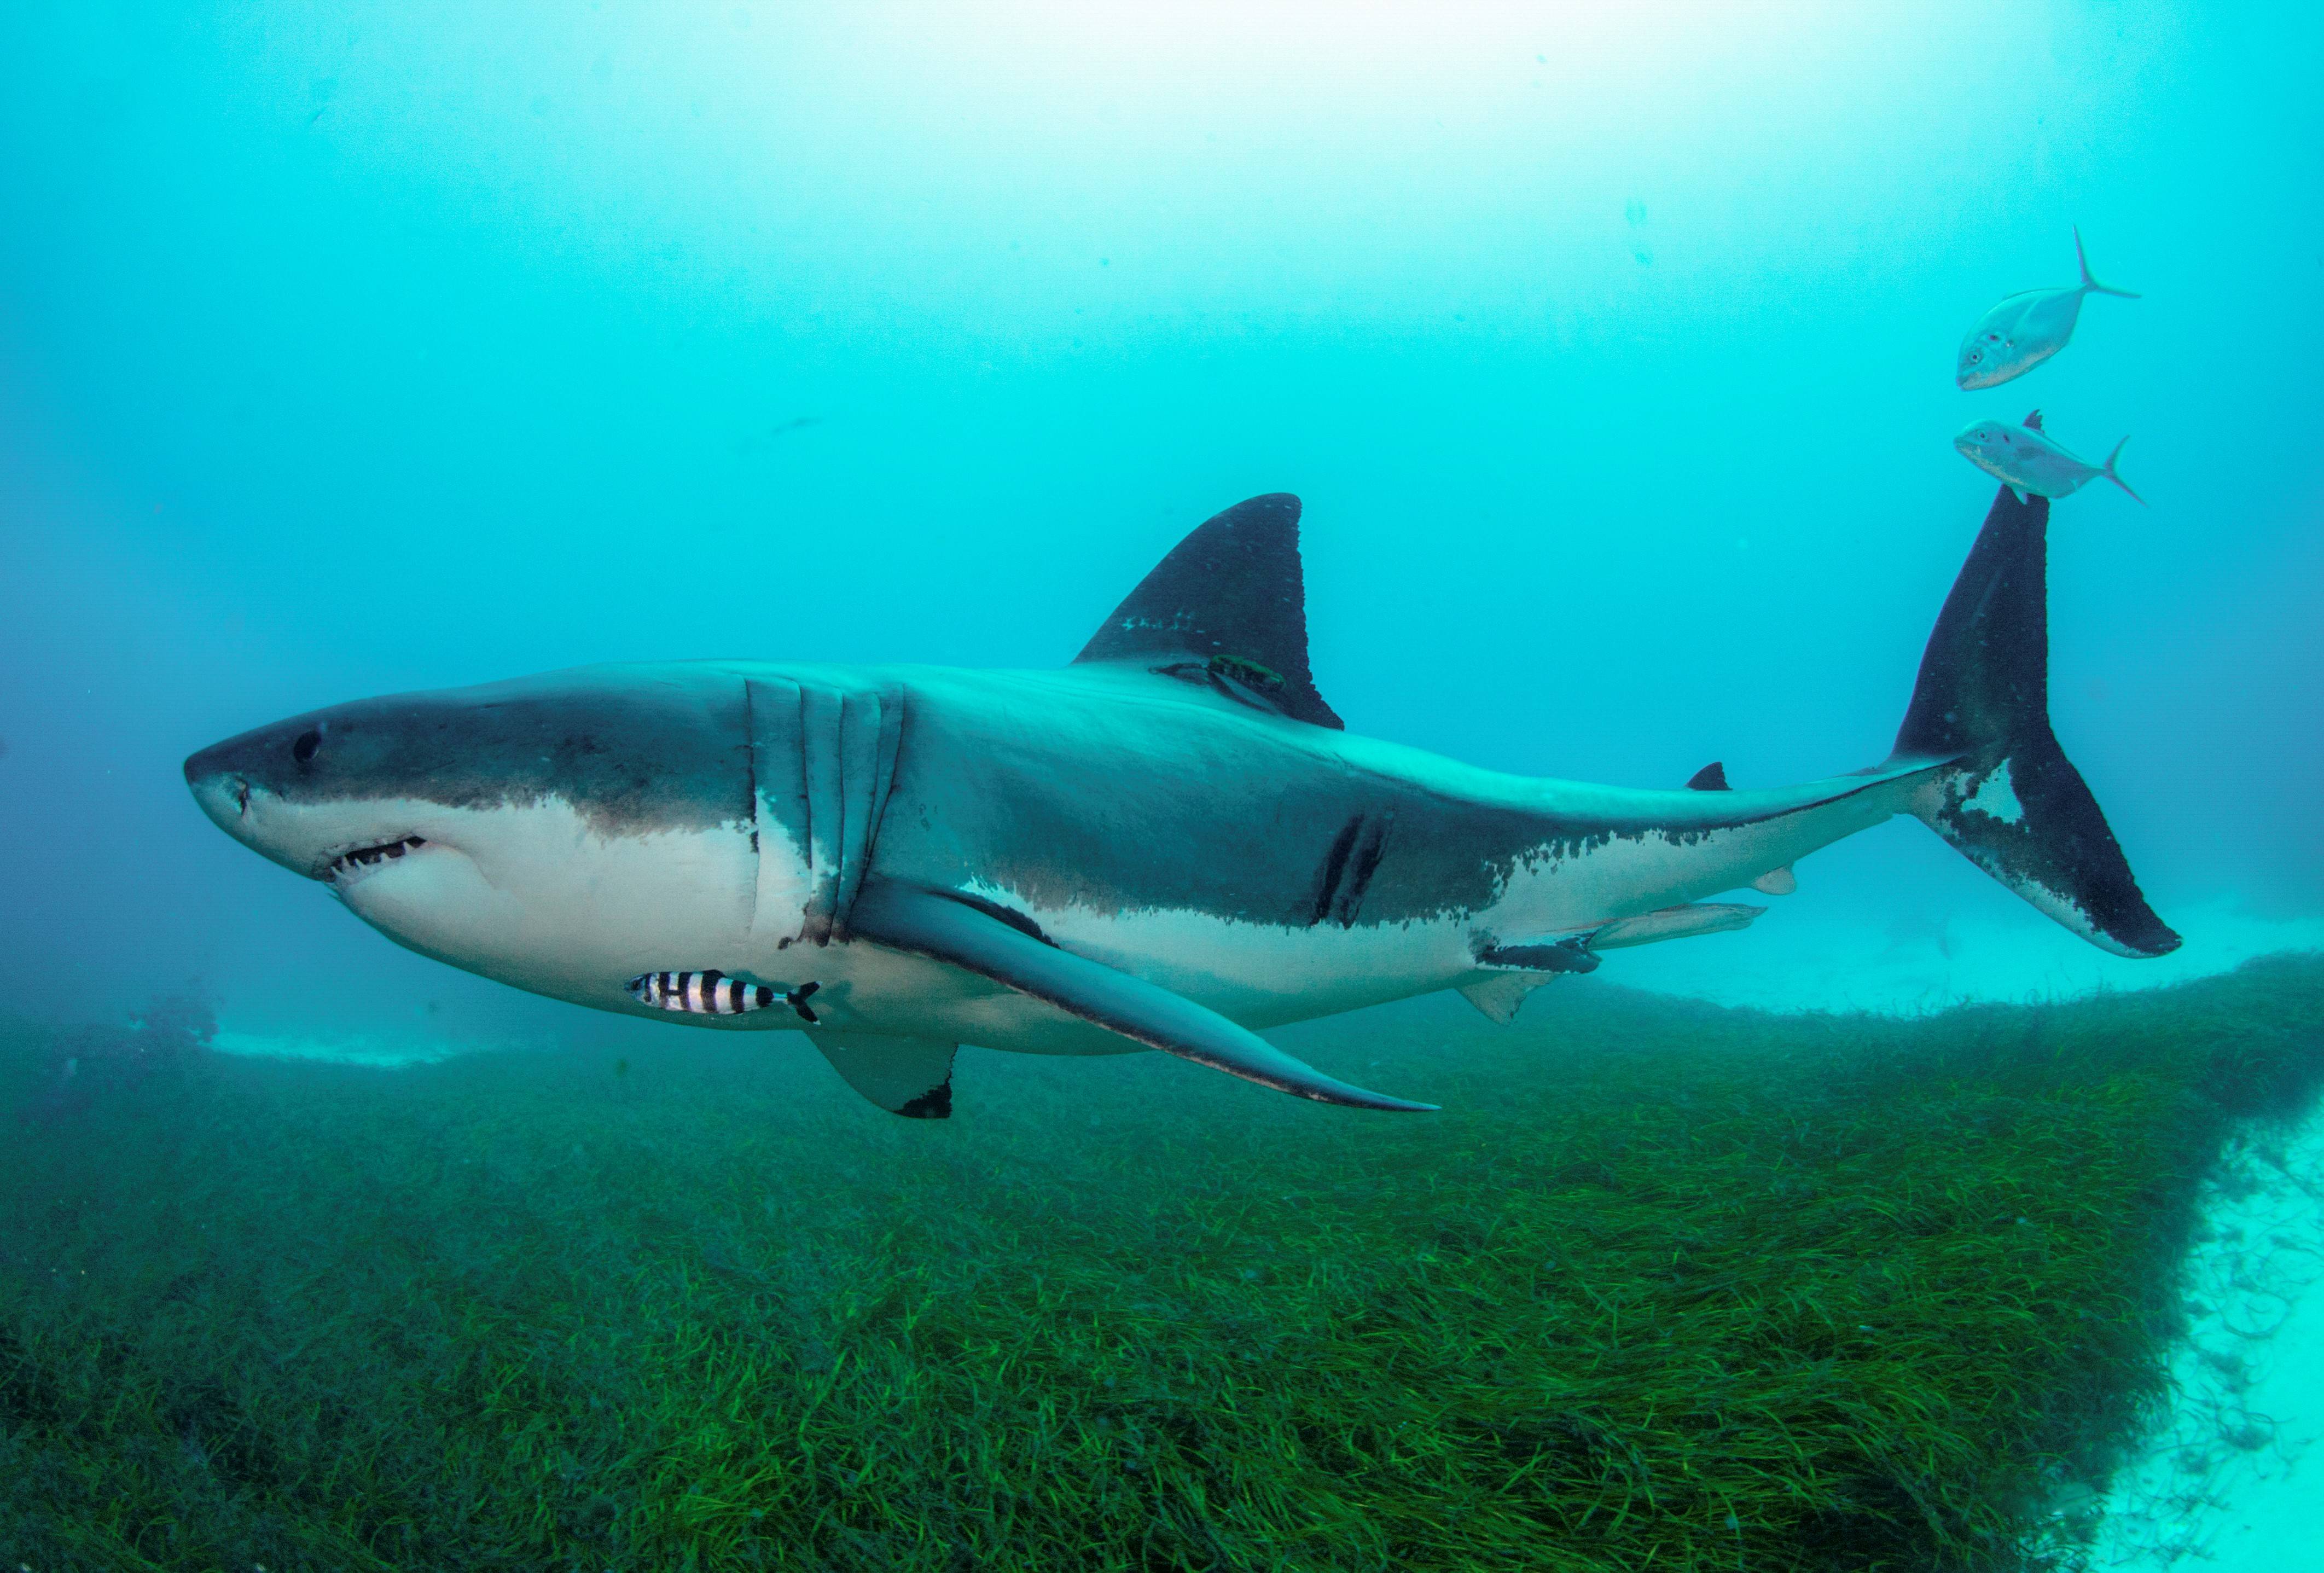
{"type": "Point", "coordinates": [303, 748]}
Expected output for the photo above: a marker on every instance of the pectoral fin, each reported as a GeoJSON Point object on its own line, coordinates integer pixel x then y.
{"type": "Point", "coordinates": [924, 923]}
{"type": "Point", "coordinates": [911, 1076]}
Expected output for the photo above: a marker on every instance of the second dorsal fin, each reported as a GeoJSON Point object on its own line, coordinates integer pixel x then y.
{"type": "Point", "coordinates": [1231, 598]}
{"type": "Point", "coordinates": [1711, 778]}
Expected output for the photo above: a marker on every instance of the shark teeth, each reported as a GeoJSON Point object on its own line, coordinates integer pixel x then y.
{"type": "Point", "coordinates": [347, 863]}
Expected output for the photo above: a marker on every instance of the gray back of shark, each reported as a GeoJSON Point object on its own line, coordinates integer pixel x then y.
{"type": "Point", "coordinates": [1165, 844]}
{"type": "Point", "coordinates": [2025, 330]}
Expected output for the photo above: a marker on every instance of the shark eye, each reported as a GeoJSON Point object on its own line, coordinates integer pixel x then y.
{"type": "Point", "coordinates": [303, 749]}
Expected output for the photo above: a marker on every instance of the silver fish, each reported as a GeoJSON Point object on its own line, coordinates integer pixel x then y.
{"type": "Point", "coordinates": [2024, 459]}
{"type": "Point", "coordinates": [2026, 329]}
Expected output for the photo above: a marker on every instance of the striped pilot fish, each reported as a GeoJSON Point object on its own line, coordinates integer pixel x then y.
{"type": "Point", "coordinates": [714, 994]}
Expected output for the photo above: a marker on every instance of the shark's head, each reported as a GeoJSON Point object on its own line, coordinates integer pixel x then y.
{"type": "Point", "coordinates": [536, 831]}
{"type": "Point", "coordinates": [336, 794]}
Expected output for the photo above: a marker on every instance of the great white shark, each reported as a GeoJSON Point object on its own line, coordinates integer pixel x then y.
{"type": "Point", "coordinates": [1166, 845]}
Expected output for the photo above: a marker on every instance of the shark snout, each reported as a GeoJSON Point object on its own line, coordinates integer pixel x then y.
{"type": "Point", "coordinates": [223, 792]}
{"type": "Point", "coordinates": [274, 790]}
{"type": "Point", "coordinates": [230, 786]}
{"type": "Point", "coordinates": [233, 781]}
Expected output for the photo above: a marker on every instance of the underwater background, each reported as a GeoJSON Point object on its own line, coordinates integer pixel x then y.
{"type": "Point", "coordinates": [349, 349]}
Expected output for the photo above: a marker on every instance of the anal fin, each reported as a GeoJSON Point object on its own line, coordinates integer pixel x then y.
{"type": "Point", "coordinates": [911, 1076]}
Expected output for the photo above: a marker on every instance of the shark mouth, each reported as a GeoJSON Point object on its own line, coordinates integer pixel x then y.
{"type": "Point", "coordinates": [346, 865]}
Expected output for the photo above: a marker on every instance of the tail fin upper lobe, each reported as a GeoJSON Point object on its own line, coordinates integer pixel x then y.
{"type": "Point", "coordinates": [2090, 283]}
{"type": "Point", "coordinates": [2008, 798]}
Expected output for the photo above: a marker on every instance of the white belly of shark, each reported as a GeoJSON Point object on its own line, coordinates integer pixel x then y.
{"type": "Point", "coordinates": [534, 897]}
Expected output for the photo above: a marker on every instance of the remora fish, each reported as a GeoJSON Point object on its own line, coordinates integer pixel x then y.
{"type": "Point", "coordinates": [1165, 844]}
{"type": "Point", "coordinates": [2024, 459]}
{"type": "Point", "coordinates": [2026, 329]}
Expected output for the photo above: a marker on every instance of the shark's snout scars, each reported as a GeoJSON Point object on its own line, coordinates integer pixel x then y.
{"type": "Point", "coordinates": [1162, 845]}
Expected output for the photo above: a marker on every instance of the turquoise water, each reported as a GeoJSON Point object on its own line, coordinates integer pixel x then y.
{"type": "Point", "coordinates": [352, 349]}
{"type": "Point", "coordinates": [361, 350]}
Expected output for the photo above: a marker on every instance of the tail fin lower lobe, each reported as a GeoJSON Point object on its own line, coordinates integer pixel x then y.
{"type": "Point", "coordinates": [2114, 475]}
{"type": "Point", "coordinates": [2006, 795]}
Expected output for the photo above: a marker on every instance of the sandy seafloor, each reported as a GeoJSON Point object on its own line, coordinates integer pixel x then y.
{"type": "Point", "coordinates": [2231, 1479]}
{"type": "Point", "coordinates": [2234, 1479]}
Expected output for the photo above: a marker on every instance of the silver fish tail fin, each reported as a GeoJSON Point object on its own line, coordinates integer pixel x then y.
{"type": "Point", "coordinates": [2000, 790]}
{"type": "Point", "coordinates": [2115, 476]}
{"type": "Point", "coordinates": [2082, 259]}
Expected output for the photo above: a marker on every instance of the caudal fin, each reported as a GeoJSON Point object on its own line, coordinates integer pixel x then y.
{"type": "Point", "coordinates": [2089, 283]}
{"type": "Point", "coordinates": [2004, 794]}
{"type": "Point", "coordinates": [2115, 476]}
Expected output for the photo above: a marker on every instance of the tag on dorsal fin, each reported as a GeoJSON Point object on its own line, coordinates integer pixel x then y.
{"type": "Point", "coordinates": [2034, 421]}
{"type": "Point", "coordinates": [1229, 597]}
{"type": "Point", "coordinates": [1711, 778]}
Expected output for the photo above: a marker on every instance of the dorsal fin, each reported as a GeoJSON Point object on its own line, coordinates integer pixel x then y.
{"type": "Point", "coordinates": [1230, 592]}
{"type": "Point", "coordinates": [2034, 421]}
{"type": "Point", "coordinates": [1711, 778]}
